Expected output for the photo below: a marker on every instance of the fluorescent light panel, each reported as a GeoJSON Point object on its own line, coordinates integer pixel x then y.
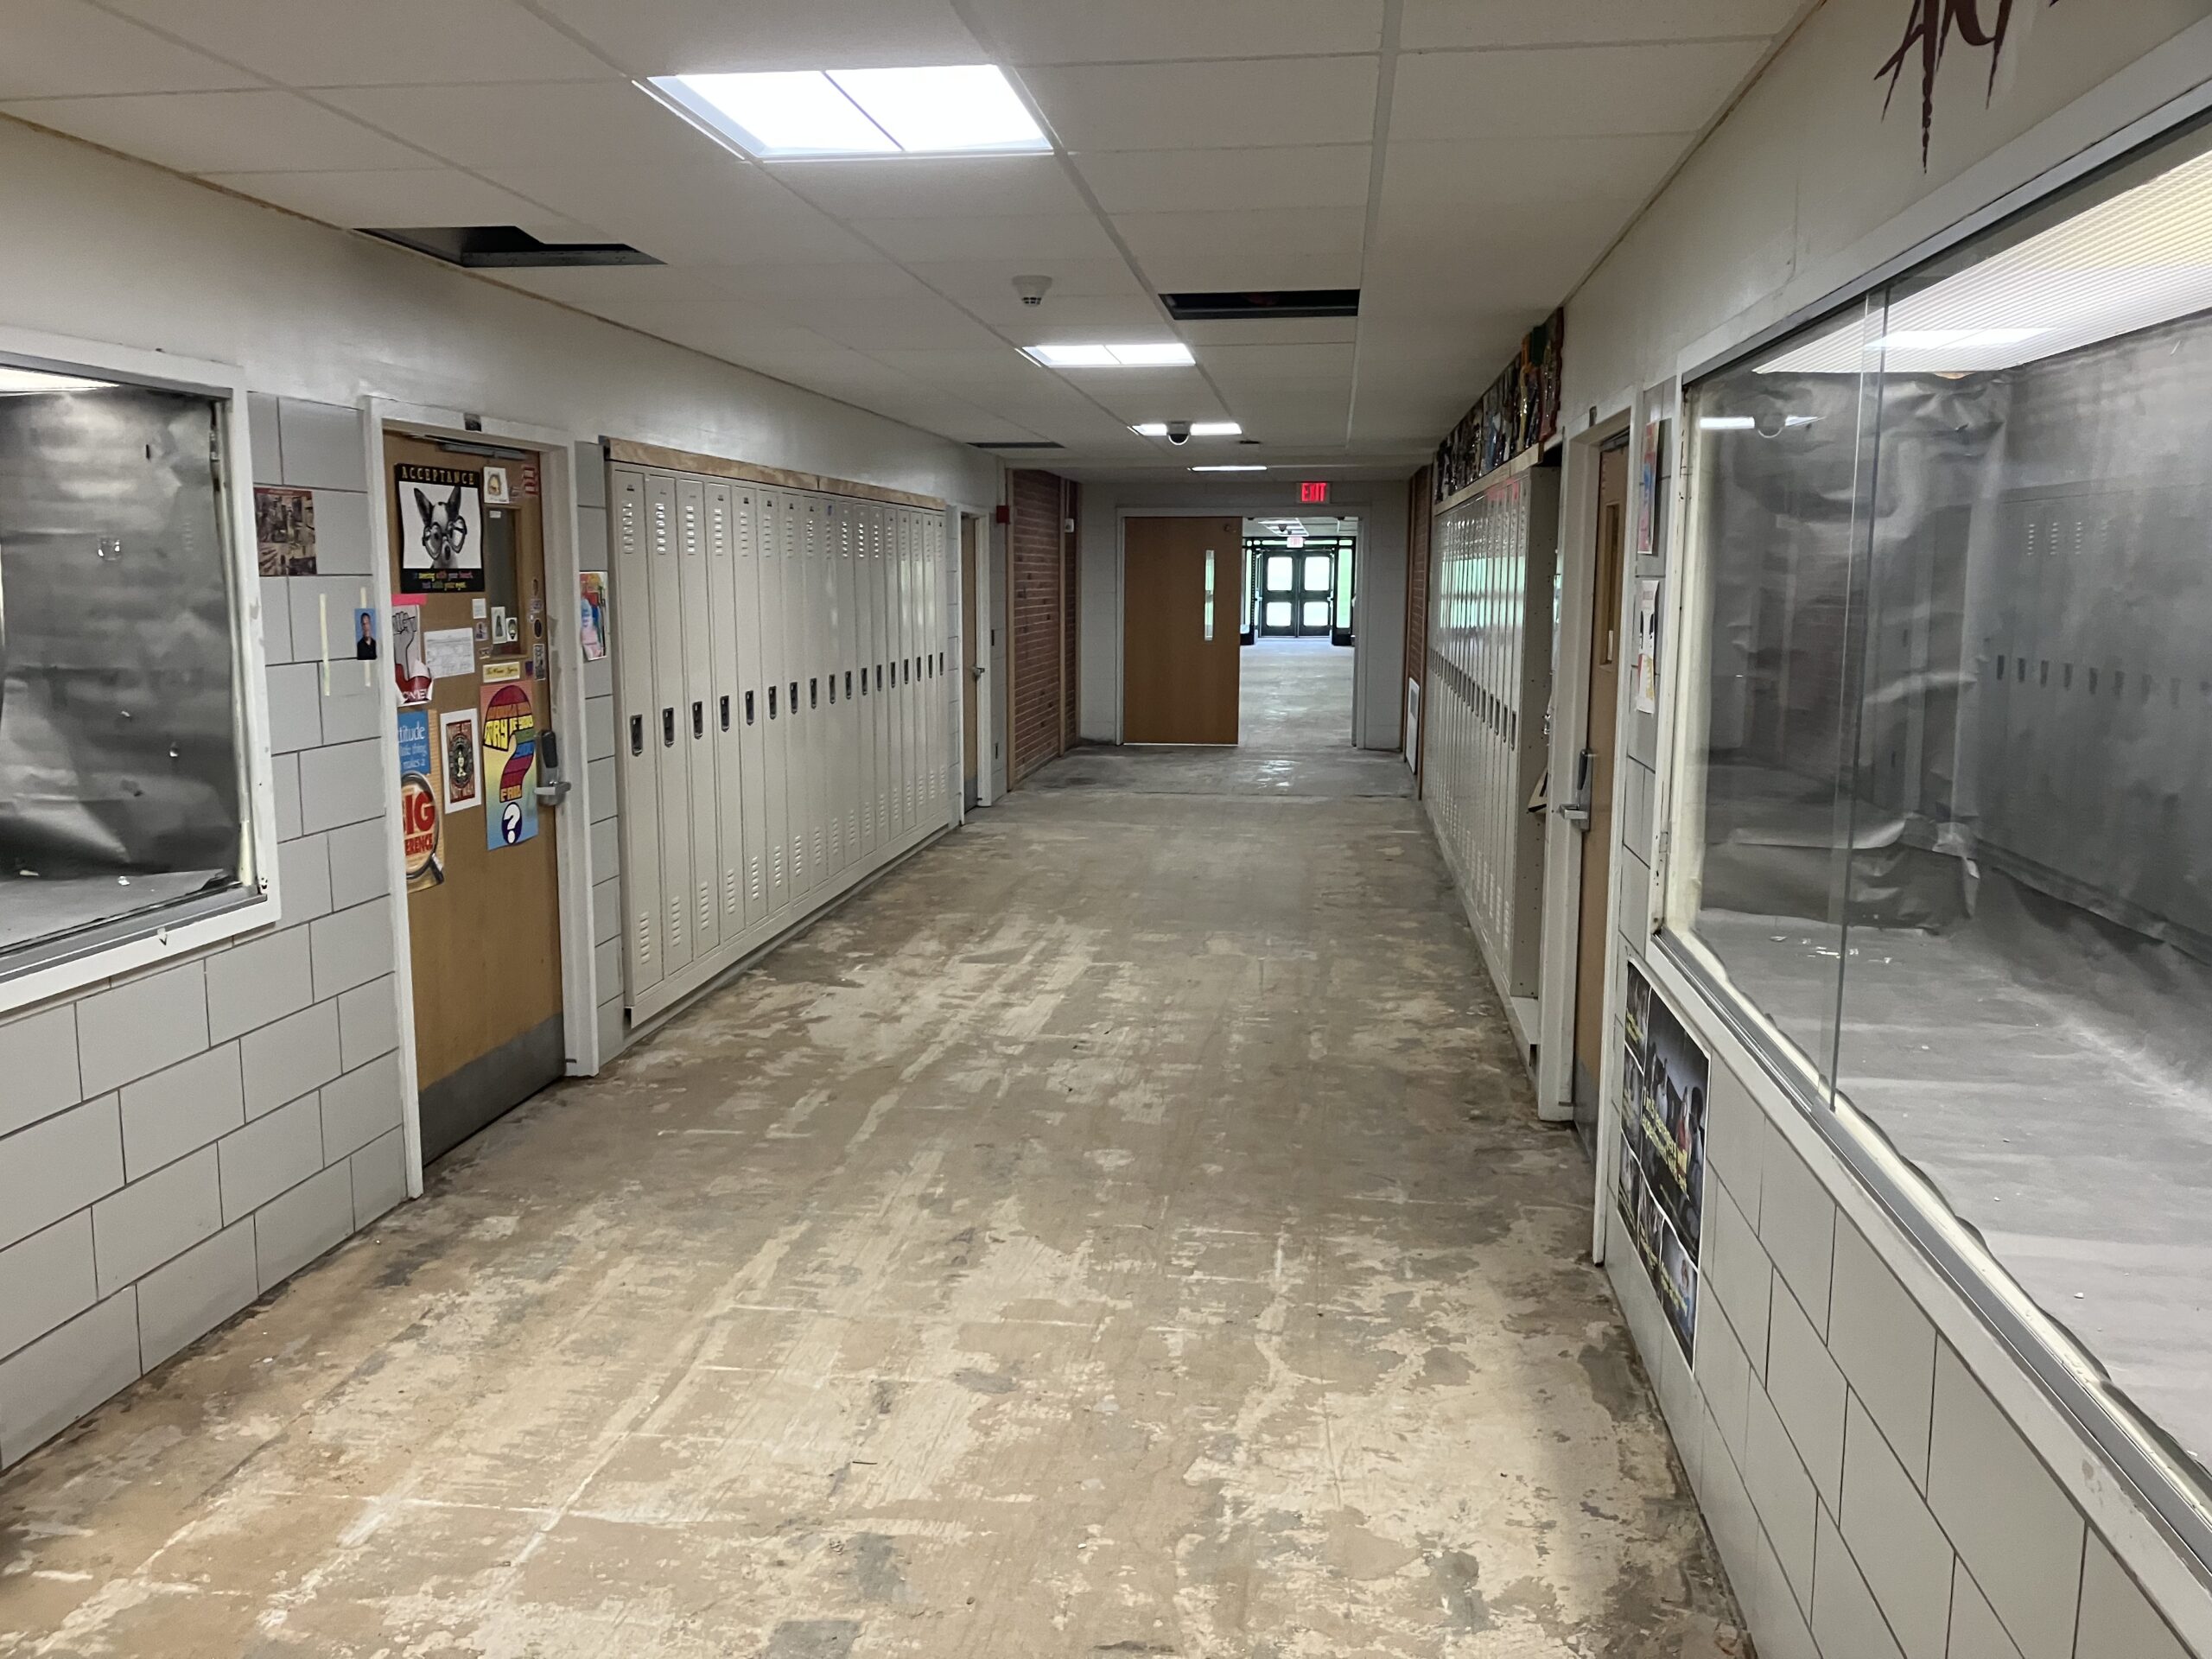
{"type": "Point", "coordinates": [1159, 354]}
{"type": "Point", "coordinates": [1249, 467]}
{"type": "Point", "coordinates": [1199, 430]}
{"type": "Point", "coordinates": [14, 382]}
{"type": "Point", "coordinates": [783, 115]}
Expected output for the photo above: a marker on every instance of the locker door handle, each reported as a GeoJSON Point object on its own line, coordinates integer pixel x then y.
{"type": "Point", "coordinates": [698, 720]}
{"type": "Point", "coordinates": [849, 685]}
{"type": "Point", "coordinates": [725, 714]}
{"type": "Point", "coordinates": [794, 699]}
{"type": "Point", "coordinates": [637, 734]}
{"type": "Point", "coordinates": [879, 677]}
{"type": "Point", "coordinates": [771, 702]}
{"type": "Point", "coordinates": [668, 728]}
{"type": "Point", "coordinates": [814, 691]}
{"type": "Point", "coordinates": [748, 708]}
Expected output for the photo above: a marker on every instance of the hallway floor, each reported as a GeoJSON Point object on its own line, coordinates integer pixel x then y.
{"type": "Point", "coordinates": [1123, 1230]}
{"type": "Point", "coordinates": [1295, 696]}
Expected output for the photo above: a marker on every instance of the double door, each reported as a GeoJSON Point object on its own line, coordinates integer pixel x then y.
{"type": "Point", "coordinates": [784, 726]}
{"type": "Point", "coordinates": [1298, 593]}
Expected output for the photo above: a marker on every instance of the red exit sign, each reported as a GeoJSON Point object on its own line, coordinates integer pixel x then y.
{"type": "Point", "coordinates": [1314, 492]}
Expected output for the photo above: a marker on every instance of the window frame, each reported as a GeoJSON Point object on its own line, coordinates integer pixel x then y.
{"type": "Point", "coordinates": [48, 970]}
{"type": "Point", "coordinates": [2057, 1367]}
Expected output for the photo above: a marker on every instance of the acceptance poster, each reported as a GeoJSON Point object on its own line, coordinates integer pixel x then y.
{"type": "Point", "coordinates": [509, 736]}
{"type": "Point", "coordinates": [1661, 1194]}
{"type": "Point", "coordinates": [441, 529]}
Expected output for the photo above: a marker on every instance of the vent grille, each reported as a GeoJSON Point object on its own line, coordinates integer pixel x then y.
{"type": "Point", "coordinates": [1016, 443]}
{"type": "Point", "coordinates": [1276, 302]}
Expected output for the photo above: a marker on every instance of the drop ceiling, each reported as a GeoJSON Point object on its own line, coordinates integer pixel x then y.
{"type": "Point", "coordinates": [1464, 163]}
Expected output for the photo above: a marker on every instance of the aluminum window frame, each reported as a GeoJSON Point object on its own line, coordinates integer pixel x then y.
{"type": "Point", "coordinates": [54, 967]}
{"type": "Point", "coordinates": [2129, 1446]}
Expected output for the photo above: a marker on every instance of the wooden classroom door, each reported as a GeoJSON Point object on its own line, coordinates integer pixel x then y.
{"type": "Point", "coordinates": [1608, 575]}
{"type": "Point", "coordinates": [1183, 588]}
{"type": "Point", "coordinates": [971, 661]}
{"type": "Point", "coordinates": [470, 650]}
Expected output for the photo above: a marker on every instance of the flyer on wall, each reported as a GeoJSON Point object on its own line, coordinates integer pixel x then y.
{"type": "Point", "coordinates": [421, 830]}
{"type": "Point", "coordinates": [411, 665]}
{"type": "Point", "coordinates": [509, 738]}
{"type": "Point", "coordinates": [1661, 1188]}
{"type": "Point", "coordinates": [441, 538]}
{"type": "Point", "coordinates": [457, 749]}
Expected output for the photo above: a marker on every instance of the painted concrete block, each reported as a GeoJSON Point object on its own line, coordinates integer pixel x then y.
{"type": "Point", "coordinates": [256, 981]}
{"type": "Point", "coordinates": [134, 1231]}
{"type": "Point", "coordinates": [38, 1058]}
{"type": "Point", "coordinates": [184, 1299]}
{"type": "Point", "coordinates": [359, 1107]}
{"type": "Point", "coordinates": [2118, 1621]}
{"type": "Point", "coordinates": [1846, 1620]}
{"type": "Point", "coordinates": [360, 865]}
{"type": "Point", "coordinates": [142, 1024]}
{"type": "Point", "coordinates": [379, 1172]}
{"type": "Point", "coordinates": [1738, 1274]}
{"type": "Point", "coordinates": [1901, 1552]}
{"type": "Point", "coordinates": [294, 707]}
{"type": "Point", "coordinates": [342, 542]}
{"type": "Point", "coordinates": [182, 1109]}
{"type": "Point", "coordinates": [1976, 1631]}
{"type": "Point", "coordinates": [1808, 1392]}
{"type": "Point", "coordinates": [56, 1380]}
{"type": "Point", "coordinates": [284, 783]}
{"type": "Point", "coordinates": [340, 783]}
{"type": "Point", "coordinates": [1886, 1346]}
{"type": "Point", "coordinates": [295, 1227]}
{"type": "Point", "coordinates": [1782, 1493]}
{"type": "Point", "coordinates": [303, 865]}
{"type": "Point", "coordinates": [322, 445]}
{"type": "Point", "coordinates": [1796, 1222]}
{"type": "Point", "coordinates": [368, 1022]}
{"type": "Point", "coordinates": [60, 1166]}
{"type": "Point", "coordinates": [46, 1279]}
{"type": "Point", "coordinates": [261, 436]}
{"type": "Point", "coordinates": [352, 947]}
{"type": "Point", "coordinates": [272, 1154]}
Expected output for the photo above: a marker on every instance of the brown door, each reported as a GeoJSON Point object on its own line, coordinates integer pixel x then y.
{"type": "Point", "coordinates": [1607, 559]}
{"type": "Point", "coordinates": [1183, 589]}
{"type": "Point", "coordinates": [469, 596]}
{"type": "Point", "coordinates": [971, 662]}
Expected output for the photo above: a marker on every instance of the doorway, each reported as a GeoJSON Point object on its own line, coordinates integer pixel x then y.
{"type": "Point", "coordinates": [971, 664]}
{"type": "Point", "coordinates": [1183, 594]}
{"type": "Point", "coordinates": [471, 656]}
{"type": "Point", "coordinates": [1595, 785]}
{"type": "Point", "coordinates": [1299, 674]}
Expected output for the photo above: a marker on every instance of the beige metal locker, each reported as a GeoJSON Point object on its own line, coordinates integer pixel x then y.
{"type": "Point", "coordinates": [725, 736]}
{"type": "Point", "coordinates": [638, 760]}
{"type": "Point", "coordinates": [703, 890]}
{"type": "Point", "coordinates": [751, 714]}
{"type": "Point", "coordinates": [667, 740]}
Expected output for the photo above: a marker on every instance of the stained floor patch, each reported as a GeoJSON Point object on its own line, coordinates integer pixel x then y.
{"type": "Point", "coordinates": [1125, 1229]}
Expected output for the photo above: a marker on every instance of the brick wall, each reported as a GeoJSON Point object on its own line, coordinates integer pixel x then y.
{"type": "Point", "coordinates": [1040, 648]}
{"type": "Point", "coordinates": [1418, 490]}
{"type": "Point", "coordinates": [177, 1142]}
{"type": "Point", "coordinates": [1070, 585]}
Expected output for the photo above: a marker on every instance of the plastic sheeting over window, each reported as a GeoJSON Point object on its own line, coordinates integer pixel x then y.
{"type": "Point", "coordinates": [120, 774]}
{"type": "Point", "coordinates": [1946, 813]}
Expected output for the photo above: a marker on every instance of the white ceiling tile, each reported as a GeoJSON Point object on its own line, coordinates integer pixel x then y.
{"type": "Point", "coordinates": [1271, 331]}
{"type": "Point", "coordinates": [347, 43]}
{"type": "Point", "coordinates": [1127, 317]}
{"type": "Point", "coordinates": [691, 37]}
{"type": "Point", "coordinates": [1428, 23]}
{"type": "Point", "coordinates": [625, 292]}
{"type": "Point", "coordinates": [919, 186]}
{"type": "Point", "coordinates": [1085, 31]}
{"type": "Point", "coordinates": [717, 212]}
{"type": "Point", "coordinates": [986, 288]}
{"type": "Point", "coordinates": [1036, 236]}
{"type": "Point", "coordinates": [1464, 97]}
{"type": "Point", "coordinates": [1212, 181]}
{"type": "Point", "coordinates": [999, 369]}
{"type": "Point", "coordinates": [535, 123]}
{"type": "Point", "coordinates": [221, 132]}
{"type": "Point", "coordinates": [1255, 364]}
{"type": "Point", "coordinates": [1164, 242]}
{"type": "Point", "coordinates": [413, 196]}
{"type": "Point", "coordinates": [1226, 106]}
{"type": "Point", "coordinates": [68, 48]}
{"type": "Point", "coordinates": [1434, 178]}
{"type": "Point", "coordinates": [1258, 267]}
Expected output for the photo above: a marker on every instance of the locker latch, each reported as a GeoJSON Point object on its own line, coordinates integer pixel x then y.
{"type": "Point", "coordinates": [771, 702]}
{"type": "Point", "coordinates": [668, 728]}
{"type": "Point", "coordinates": [698, 720]}
{"type": "Point", "coordinates": [748, 708]}
{"type": "Point", "coordinates": [879, 677]}
{"type": "Point", "coordinates": [814, 691]}
{"type": "Point", "coordinates": [849, 685]}
{"type": "Point", "coordinates": [637, 734]}
{"type": "Point", "coordinates": [725, 714]}
{"type": "Point", "coordinates": [794, 701]}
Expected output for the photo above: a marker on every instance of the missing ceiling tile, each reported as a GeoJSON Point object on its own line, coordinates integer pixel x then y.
{"type": "Point", "coordinates": [507, 247]}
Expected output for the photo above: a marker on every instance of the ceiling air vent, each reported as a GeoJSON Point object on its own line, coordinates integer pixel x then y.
{"type": "Point", "coordinates": [1014, 443]}
{"type": "Point", "coordinates": [507, 247]}
{"type": "Point", "coordinates": [1280, 302]}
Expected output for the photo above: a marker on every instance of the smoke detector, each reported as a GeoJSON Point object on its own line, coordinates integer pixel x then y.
{"type": "Point", "coordinates": [1032, 288]}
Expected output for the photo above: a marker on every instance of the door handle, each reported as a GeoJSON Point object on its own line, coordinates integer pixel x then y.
{"type": "Point", "coordinates": [725, 714]}
{"type": "Point", "coordinates": [976, 672]}
{"type": "Point", "coordinates": [668, 728]}
{"type": "Point", "coordinates": [637, 734]}
{"type": "Point", "coordinates": [698, 720]}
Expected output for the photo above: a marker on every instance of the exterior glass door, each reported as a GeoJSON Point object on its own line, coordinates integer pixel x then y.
{"type": "Point", "coordinates": [1298, 592]}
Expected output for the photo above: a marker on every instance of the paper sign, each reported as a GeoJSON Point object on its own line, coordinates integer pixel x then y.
{"type": "Point", "coordinates": [283, 525]}
{"type": "Point", "coordinates": [509, 748]}
{"type": "Point", "coordinates": [441, 537]}
{"type": "Point", "coordinates": [495, 486]}
{"type": "Point", "coordinates": [1664, 1076]}
{"type": "Point", "coordinates": [591, 587]}
{"type": "Point", "coordinates": [457, 747]}
{"type": "Point", "coordinates": [422, 831]}
{"type": "Point", "coordinates": [365, 634]}
{"type": "Point", "coordinates": [495, 672]}
{"type": "Point", "coordinates": [448, 653]}
{"type": "Point", "coordinates": [1647, 646]}
{"type": "Point", "coordinates": [410, 667]}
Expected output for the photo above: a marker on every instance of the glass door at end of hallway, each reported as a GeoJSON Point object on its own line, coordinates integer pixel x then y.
{"type": "Point", "coordinates": [1296, 589]}
{"type": "Point", "coordinates": [470, 654]}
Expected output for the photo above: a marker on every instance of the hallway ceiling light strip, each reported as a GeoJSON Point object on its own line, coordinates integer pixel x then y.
{"type": "Point", "coordinates": [818, 114]}
{"type": "Point", "coordinates": [1151, 354]}
{"type": "Point", "coordinates": [1246, 467]}
{"type": "Point", "coordinates": [1199, 430]}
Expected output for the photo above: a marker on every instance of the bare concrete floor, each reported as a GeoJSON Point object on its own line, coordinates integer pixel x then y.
{"type": "Point", "coordinates": [1122, 1231]}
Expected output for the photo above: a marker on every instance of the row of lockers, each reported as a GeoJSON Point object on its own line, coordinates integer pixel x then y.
{"type": "Point", "coordinates": [783, 694]}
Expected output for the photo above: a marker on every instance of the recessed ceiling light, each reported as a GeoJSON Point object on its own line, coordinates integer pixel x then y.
{"type": "Point", "coordinates": [957, 109]}
{"type": "Point", "coordinates": [1247, 467]}
{"type": "Point", "coordinates": [1160, 354]}
{"type": "Point", "coordinates": [1199, 430]}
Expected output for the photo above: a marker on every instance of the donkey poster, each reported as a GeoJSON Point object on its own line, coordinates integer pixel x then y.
{"type": "Point", "coordinates": [440, 518]}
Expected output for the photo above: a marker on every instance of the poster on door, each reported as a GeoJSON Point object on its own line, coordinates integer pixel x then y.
{"type": "Point", "coordinates": [457, 744]}
{"type": "Point", "coordinates": [422, 828]}
{"type": "Point", "coordinates": [1647, 646]}
{"type": "Point", "coordinates": [509, 736]}
{"type": "Point", "coordinates": [1661, 1187]}
{"type": "Point", "coordinates": [410, 664]}
{"type": "Point", "coordinates": [441, 539]}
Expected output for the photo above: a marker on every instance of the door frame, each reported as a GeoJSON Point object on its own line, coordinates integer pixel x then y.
{"type": "Point", "coordinates": [558, 498]}
{"type": "Point", "coordinates": [1560, 948]}
{"type": "Point", "coordinates": [959, 514]}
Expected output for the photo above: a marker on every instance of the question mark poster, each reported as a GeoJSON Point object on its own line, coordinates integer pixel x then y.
{"type": "Point", "coordinates": [508, 733]}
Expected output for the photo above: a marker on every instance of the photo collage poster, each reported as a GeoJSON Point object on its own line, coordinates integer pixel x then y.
{"type": "Point", "coordinates": [1664, 1077]}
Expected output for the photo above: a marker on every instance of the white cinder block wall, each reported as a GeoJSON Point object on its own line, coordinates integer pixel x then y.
{"type": "Point", "coordinates": [1871, 1498]}
{"type": "Point", "coordinates": [174, 1143]}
